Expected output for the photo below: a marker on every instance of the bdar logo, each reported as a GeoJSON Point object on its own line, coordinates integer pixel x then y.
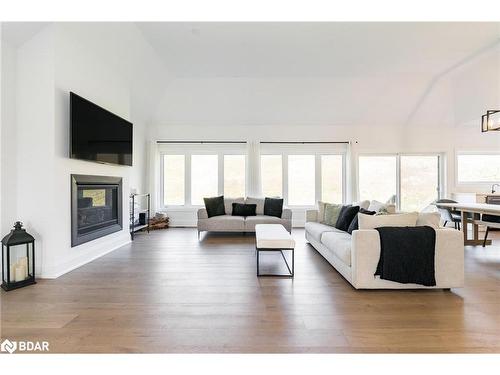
{"type": "Point", "coordinates": [8, 346]}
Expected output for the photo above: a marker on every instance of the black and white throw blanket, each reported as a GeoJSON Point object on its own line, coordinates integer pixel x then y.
{"type": "Point", "coordinates": [407, 255]}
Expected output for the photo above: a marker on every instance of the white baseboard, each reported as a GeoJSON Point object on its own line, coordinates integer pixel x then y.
{"type": "Point", "coordinates": [55, 271]}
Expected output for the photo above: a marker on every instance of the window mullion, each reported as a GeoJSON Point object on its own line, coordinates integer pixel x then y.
{"type": "Point", "coordinates": [187, 179]}
{"type": "Point", "coordinates": [220, 173]}
{"type": "Point", "coordinates": [318, 179]}
{"type": "Point", "coordinates": [284, 163]}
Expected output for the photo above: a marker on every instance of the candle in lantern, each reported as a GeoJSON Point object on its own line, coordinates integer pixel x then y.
{"type": "Point", "coordinates": [24, 263]}
{"type": "Point", "coordinates": [12, 273]}
{"type": "Point", "coordinates": [20, 273]}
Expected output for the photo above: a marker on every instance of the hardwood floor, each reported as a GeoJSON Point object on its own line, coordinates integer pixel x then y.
{"type": "Point", "coordinates": [166, 292]}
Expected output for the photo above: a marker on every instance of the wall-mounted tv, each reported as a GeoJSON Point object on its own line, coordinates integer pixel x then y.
{"type": "Point", "coordinates": [97, 134]}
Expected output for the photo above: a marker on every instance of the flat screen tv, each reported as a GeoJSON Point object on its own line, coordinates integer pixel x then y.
{"type": "Point", "coordinates": [97, 134]}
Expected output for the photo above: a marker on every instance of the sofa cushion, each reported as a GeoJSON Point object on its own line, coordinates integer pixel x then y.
{"type": "Point", "coordinates": [331, 213]}
{"type": "Point", "coordinates": [242, 209]}
{"type": "Point", "coordinates": [317, 229]}
{"type": "Point", "coordinates": [395, 220]}
{"type": "Point", "coordinates": [228, 204]}
{"type": "Point", "coordinates": [354, 223]}
{"type": "Point", "coordinates": [347, 214]}
{"type": "Point", "coordinates": [223, 223]}
{"type": "Point", "coordinates": [252, 221]}
{"type": "Point", "coordinates": [259, 202]}
{"type": "Point", "coordinates": [431, 219]}
{"type": "Point", "coordinates": [340, 244]}
{"type": "Point", "coordinates": [215, 206]}
{"type": "Point", "coordinates": [273, 207]}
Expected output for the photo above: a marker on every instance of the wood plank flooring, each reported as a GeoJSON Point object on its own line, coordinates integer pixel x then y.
{"type": "Point", "coordinates": [168, 293]}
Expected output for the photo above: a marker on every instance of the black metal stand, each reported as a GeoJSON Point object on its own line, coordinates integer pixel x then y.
{"type": "Point", "coordinates": [290, 270]}
{"type": "Point", "coordinates": [136, 227]}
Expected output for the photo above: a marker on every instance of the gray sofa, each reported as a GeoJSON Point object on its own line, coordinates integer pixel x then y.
{"type": "Point", "coordinates": [229, 223]}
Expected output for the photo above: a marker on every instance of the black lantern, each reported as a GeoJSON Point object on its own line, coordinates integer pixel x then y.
{"type": "Point", "coordinates": [18, 258]}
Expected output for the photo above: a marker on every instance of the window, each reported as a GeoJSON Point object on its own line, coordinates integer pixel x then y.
{"type": "Point", "coordinates": [331, 178]}
{"type": "Point", "coordinates": [301, 180]}
{"type": "Point", "coordinates": [419, 181]}
{"type": "Point", "coordinates": [412, 181]}
{"type": "Point", "coordinates": [234, 176]}
{"type": "Point", "coordinates": [303, 173]}
{"type": "Point", "coordinates": [190, 172]}
{"type": "Point", "coordinates": [482, 168]}
{"type": "Point", "coordinates": [173, 180]}
{"type": "Point", "coordinates": [272, 175]}
{"type": "Point", "coordinates": [377, 177]}
{"type": "Point", "coordinates": [204, 177]}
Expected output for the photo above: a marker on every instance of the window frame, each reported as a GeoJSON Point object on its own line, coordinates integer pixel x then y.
{"type": "Point", "coordinates": [317, 152]}
{"type": "Point", "coordinates": [441, 171]}
{"type": "Point", "coordinates": [472, 183]}
{"type": "Point", "coordinates": [198, 149]}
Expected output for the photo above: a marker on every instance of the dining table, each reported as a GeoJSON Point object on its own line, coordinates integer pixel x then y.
{"type": "Point", "coordinates": [471, 213]}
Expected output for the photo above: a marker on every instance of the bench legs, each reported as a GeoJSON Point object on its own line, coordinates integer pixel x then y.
{"type": "Point", "coordinates": [291, 270]}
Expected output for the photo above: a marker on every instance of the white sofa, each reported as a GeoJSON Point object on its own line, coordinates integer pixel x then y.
{"type": "Point", "coordinates": [356, 257]}
{"type": "Point", "coordinates": [229, 223]}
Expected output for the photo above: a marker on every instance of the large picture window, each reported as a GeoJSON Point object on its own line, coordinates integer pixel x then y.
{"type": "Point", "coordinates": [234, 176]}
{"type": "Point", "coordinates": [410, 181]}
{"type": "Point", "coordinates": [332, 178]}
{"type": "Point", "coordinates": [377, 177]}
{"type": "Point", "coordinates": [301, 180]}
{"type": "Point", "coordinates": [204, 177]}
{"type": "Point", "coordinates": [304, 173]}
{"type": "Point", "coordinates": [191, 172]}
{"type": "Point", "coordinates": [174, 180]}
{"type": "Point", "coordinates": [271, 168]}
{"type": "Point", "coordinates": [419, 181]}
{"type": "Point", "coordinates": [478, 168]}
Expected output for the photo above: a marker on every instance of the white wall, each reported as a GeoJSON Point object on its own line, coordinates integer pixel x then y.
{"type": "Point", "coordinates": [94, 61]}
{"type": "Point", "coordinates": [8, 157]}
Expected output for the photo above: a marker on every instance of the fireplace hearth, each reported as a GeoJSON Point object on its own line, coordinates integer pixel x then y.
{"type": "Point", "coordinates": [96, 207]}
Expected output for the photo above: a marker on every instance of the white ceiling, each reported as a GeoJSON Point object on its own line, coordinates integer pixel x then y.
{"type": "Point", "coordinates": [315, 49]}
{"type": "Point", "coordinates": [16, 33]}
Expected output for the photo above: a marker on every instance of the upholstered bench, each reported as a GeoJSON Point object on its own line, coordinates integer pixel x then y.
{"type": "Point", "coordinates": [274, 237]}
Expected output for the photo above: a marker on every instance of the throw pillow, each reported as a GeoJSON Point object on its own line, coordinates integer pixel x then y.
{"type": "Point", "coordinates": [215, 206]}
{"type": "Point", "coordinates": [395, 220]}
{"type": "Point", "coordinates": [259, 202]}
{"type": "Point", "coordinates": [241, 209]}
{"type": "Point", "coordinates": [321, 212]}
{"type": "Point", "coordinates": [362, 204]}
{"type": "Point", "coordinates": [355, 223]}
{"type": "Point", "coordinates": [384, 208]}
{"type": "Point", "coordinates": [431, 219]}
{"type": "Point", "coordinates": [228, 204]}
{"type": "Point", "coordinates": [332, 212]}
{"type": "Point", "coordinates": [273, 207]}
{"type": "Point", "coordinates": [347, 214]}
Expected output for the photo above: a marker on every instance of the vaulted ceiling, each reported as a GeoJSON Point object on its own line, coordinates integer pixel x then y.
{"type": "Point", "coordinates": [353, 73]}
{"type": "Point", "coordinates": [327, 73]}
{"type": "Point", "coordinates": [316, 49]}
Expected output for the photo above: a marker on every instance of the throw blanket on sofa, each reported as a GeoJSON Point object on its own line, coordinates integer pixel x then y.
{"type": "Point", "coordinates": [407, 255]}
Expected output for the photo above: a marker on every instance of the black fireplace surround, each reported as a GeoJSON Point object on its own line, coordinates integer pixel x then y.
{"type": "Point", "coordinates": [96, 207]}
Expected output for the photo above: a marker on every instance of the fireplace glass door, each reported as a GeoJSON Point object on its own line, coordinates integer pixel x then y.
{"type": "Point", "coordinates": [96, 207]}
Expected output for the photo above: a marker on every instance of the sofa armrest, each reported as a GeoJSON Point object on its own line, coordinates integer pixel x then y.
{"type": "Point", "coordinates": [449, 258]}
{"type": "Point", "coordinates": [202, 214]}
{"type": "Point", "coordinates": [311, 215]}
{"type": "Point", "coordinates": [286, 214]}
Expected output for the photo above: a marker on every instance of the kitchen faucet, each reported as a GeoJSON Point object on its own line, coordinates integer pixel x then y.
{"type": "Point", "coordinates": [493, 188]}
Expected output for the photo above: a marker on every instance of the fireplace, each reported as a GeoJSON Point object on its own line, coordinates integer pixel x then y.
{"type": "Point", "coordinates": [96, 207]}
